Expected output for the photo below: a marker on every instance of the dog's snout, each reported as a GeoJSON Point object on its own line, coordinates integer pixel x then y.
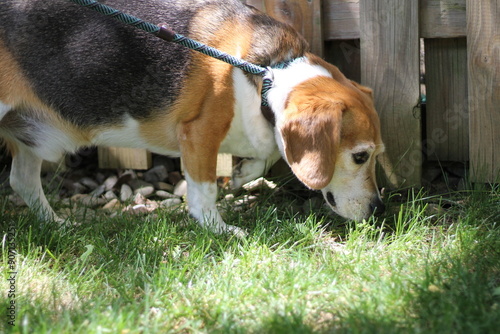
{"type": "Point", "coordinates": [377, 207]}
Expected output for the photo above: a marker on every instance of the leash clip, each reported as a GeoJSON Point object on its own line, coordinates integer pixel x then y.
{"type": "Point", "coordinates": [165, 32]}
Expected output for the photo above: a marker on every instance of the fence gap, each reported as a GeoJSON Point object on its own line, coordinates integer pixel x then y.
{"type": "Point", "coordinates": [447, 116]}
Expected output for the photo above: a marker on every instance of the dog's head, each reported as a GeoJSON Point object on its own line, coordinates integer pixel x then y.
{"type": "Point", "coordinates": [330, 137]}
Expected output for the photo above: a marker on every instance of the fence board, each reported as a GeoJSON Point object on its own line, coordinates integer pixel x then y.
{"type": "Point", "coordinates": [341, 19]}
{"type": "Point", "coordinates": [224, 164]}
{"type": "Point", "coordinates": [390, 65]}
{"type": "Point", "coordinates": [442, 18]}
{"type": "Point", "coordinates": [304, 16]}
{"type": "Point", "coordinates": [483, 47]}
{"type": "Point", "coordinates": [118, 157]}
{"type": "Point", "coordinates": [438, 18]}
{"type": "Point", "coordinates": [447, 117]}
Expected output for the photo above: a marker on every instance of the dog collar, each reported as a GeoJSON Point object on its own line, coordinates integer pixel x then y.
{"type": "Point", "coordinates": [268, 80]}
{"type": "Point", "coordinates": [268, 83]}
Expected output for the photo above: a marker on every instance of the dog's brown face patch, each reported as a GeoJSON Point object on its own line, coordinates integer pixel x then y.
{"type": "Point", "coordinates": [311, 134]}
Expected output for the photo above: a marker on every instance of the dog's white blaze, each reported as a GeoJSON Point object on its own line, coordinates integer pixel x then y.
{"type": "Point", "coordinates": [351, 197]}
{"type": "Point", "coordinates": [250, 134]}
{"type": "Point", "coordinates": [349, 184]}
{"type": "Point", "coordinates": [286, 79]}
{"type": "Point", "coordinates": [128, 135]}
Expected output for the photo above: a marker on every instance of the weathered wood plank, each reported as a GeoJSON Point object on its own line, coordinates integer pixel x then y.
{"type": "Point", "coordinates": [447, 117]}
{"type": "Point", "coordinates": [483, 51]}
{"type": "Point", "coordinates": [341, 19]}
{"type": "Point", "coordinates": [442, 18]}
{"type": "Point", "coordinates": [117, 157]}
{"type": "Point", "coordinates": [224, 164]}
{"type": "Point", "coordinates": [304, 16]}
{"type": "Point", "coordinates": [438, 18]}
{"type": "Point", "coordinates": [390, 65]}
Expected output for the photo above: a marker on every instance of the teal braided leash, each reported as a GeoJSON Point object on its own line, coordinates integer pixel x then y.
{"type": "Point", "coordinates": [165, 33]}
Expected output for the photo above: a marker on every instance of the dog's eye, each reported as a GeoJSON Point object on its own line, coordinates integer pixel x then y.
{"type": "Point", "coordinates": [361, 157]}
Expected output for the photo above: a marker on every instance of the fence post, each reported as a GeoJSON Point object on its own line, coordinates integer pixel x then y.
{"type": "Point", "coordinates": [390, 65]}
{"type": "Point", "coordinates": [304, 16]}
{"type": "Point", "coordinates": [483, 51]}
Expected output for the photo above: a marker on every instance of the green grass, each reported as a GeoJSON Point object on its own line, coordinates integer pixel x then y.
{"type": "Point", "coordinates": [430, 265]}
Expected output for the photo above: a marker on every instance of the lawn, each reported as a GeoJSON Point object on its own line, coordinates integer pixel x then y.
{"type": "Point", "coordinates": [431, 264]}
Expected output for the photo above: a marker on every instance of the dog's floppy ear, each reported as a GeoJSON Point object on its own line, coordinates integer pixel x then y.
{"type": "Point", "coordinates": [311, 138]}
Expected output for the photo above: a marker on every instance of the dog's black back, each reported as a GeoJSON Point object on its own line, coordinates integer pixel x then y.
{"type": "Point", "coordinates": [94, 70]}
{"type": "Point", "coordinates": [97, 62]}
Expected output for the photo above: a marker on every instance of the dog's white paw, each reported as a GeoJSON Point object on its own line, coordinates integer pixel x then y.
{"type": "Point", "coordinates": [246, 171]}
{"type": "Point", "coordinates": [223, 228]}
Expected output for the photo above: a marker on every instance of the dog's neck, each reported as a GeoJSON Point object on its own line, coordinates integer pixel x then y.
{"type": "Point", "coordinates": [268, 80]}
{"type": "Point", "coordinates": [284, 82]}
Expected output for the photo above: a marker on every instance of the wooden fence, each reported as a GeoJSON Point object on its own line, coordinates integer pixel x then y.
{"type": "Point", "coordinates": [378, 43]}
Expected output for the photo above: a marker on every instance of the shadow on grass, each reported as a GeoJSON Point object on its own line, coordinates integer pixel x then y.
{"type": "Point", "coordinates": [459, 294]}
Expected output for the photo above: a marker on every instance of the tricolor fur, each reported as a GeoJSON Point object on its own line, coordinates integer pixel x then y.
{"type": "Point", "coordinates": [70, 77]}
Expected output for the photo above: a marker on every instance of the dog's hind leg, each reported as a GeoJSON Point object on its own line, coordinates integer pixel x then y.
{"type": "Point", "coordinates": [25, 180]}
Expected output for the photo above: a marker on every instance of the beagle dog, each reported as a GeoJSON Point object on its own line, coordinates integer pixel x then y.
{"type": "Point", "coordinates": [70, 77]}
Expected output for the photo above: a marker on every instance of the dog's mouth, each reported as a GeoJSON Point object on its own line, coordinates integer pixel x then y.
{"type": "Point", "coordinates": [331, 199]}
{"type": "Point", "coordinates": [376, 208]}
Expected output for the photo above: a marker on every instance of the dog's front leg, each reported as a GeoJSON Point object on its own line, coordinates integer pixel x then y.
{"type": "Point", "coordinates": [202, 197]}
{"type": "Point", "coordinates": [200, 166]}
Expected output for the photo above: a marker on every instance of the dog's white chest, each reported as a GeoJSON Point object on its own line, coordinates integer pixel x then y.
{"type": "Point", "coordinates": [250, 135]}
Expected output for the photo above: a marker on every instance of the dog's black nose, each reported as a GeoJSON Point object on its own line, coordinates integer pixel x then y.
{"type": "Point", "coordinates": [377, 207]}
